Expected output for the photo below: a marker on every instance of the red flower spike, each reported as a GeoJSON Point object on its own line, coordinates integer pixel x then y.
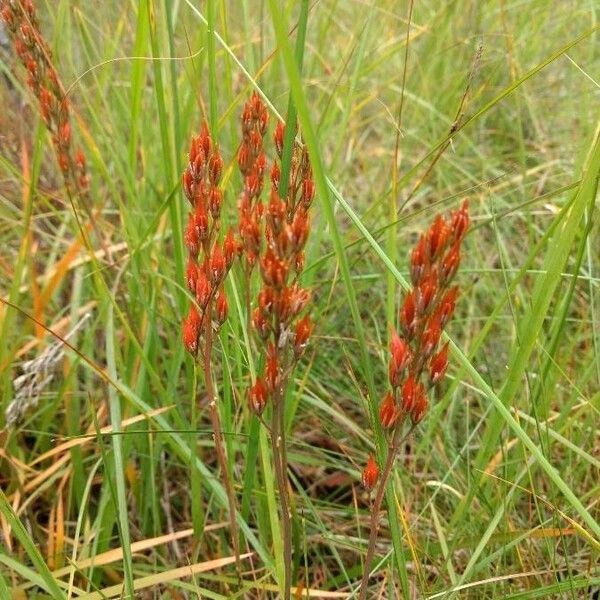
{"type": "Point", "coordinates": [217, 264]}
{"type": "Point", "coordinates": [370, 474]}
{"type": "Point", "coordinates": [203, 288]}
{"type": "Point", "coordinates": [304, 328]}
{"type": "Point", "coordinates": [388, 411]}
{"type": "Point", "coordinates": [437, 237]}
{"type": "Point", "coordinates": [222, 306]}
{"type": "Point", "coordinates": [258, 396]}
{"type": "Point", "coordinates": [418, 261]}
{"type": "Point", "coordinates": [460, 221]}
{"type": "Point", "coordinates": [438, 365]}
{"type": "Point", "coordinates": [229, 248]}
{"type": "Point", "coordinates": [409, 391]}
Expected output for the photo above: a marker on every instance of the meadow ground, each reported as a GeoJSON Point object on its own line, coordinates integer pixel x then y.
{"type": "Point", "coordinates": [405, 111]}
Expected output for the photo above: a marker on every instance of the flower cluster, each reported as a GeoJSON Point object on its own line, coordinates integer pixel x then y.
{"type": "Point", "coordinates": [416, 362]}
{"type": "Point", "coordinates": [281, 299]}
{"type": "Point", "coordinates": [252, 162]}
{"type": "Point", "coordinates": [209, 261]}
{"type": "Point", "coordinates": [35, 55]}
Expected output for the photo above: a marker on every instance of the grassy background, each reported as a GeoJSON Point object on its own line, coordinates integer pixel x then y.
{"type": "Point", "coordinates": [497, 494]}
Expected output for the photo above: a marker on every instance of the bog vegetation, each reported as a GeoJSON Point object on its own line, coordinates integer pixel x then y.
{"type": "Point", "coordinates": [299, 300]}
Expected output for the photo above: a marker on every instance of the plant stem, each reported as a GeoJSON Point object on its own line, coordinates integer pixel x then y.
{"type": "Point", "coordinates": [375, 523]}
{"type": "Point", "coordinates": [278, 440]}
{"type": "Point", "coordinates": [218, 437]}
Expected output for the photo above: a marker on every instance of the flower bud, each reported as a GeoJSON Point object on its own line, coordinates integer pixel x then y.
{"type": "Point", "coordinates": [388, 411]}
{"type": "Point", "coordinates": [431, 336]}
{"type": "Point", "coordinates": [438, 365]}
{"type": "Point", "coordinates": [190, 236]}
{"type": "Point", "coordinates": [408, 315]}
{"type": "Point", "coordinates": [437, 237]}
{"type": "Point", "coordinates": [304, 328]}
{"type": "Point", "coordinates": [217, 264]}
{"type": "Point", "coordinates": [229, 248]}
{"type": "Point", "coordinates": [420, 406]}
{"type": "Point", "coordinates": [191, 330]}
{"type": "Point", "coordinates": [409, 390]}
{"type": "Point", "coordinates": [215, 201]}
{"type": "Point", "coordinates": [191, 274]}
{"type": "Point", "coordinates": [222, 306]}
{"type": "Point", "coordinates": [370, 474]}
{"type": "Point", "coordinates": [460, 221]}
{"type": "Point", "coordinates": [203, 288]}
{"type": "Point", "coordinates": [418, 261]}
{"type": "Point", "coordinates": [258, 397]}
{"type": "Point", "coordinates": [278, 137]}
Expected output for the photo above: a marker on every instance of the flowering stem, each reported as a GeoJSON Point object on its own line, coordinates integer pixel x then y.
{"type": "Point", "coordinates": [218, 436]}
{"type": "Point", "coordinates": [279, 454]}
{"type": "Point", "coordinates": [395, 444]}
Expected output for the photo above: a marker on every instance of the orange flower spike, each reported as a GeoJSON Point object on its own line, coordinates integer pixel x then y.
{"type": "Point", "coordinates": [258, 396]}
{"type": "Point", "coordinates": [388, 411]}
{"type": "Point", "coordinates": [438, 365]}
{"type": "Point", "coordinates": [370, 474]}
